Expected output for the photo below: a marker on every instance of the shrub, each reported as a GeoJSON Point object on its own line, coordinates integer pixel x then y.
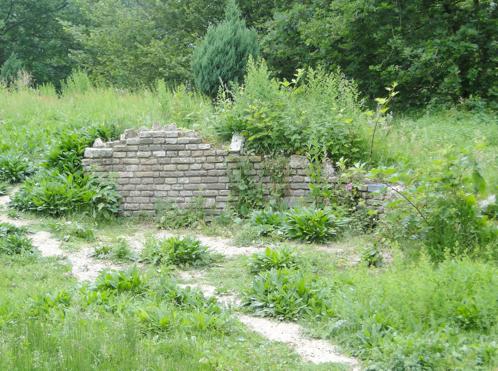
{"type": "Point", "coordinates": [285, 118]}
{"type": "Point", "coordinates": [177, 251]}
{"type": "Point", "coordinates": [274, 258]}
{"type": "Point", "coordinates": [268, 222]}
{"type": "Point", "coordinates": [13, 240]}
{"type": "Point", "coordinates": [438, 211]}
{"type": "Point", "coordinates": [14, 168]}
{"type": "Point", "coordinates": [223, 53]}
{"type": "Point", "coordinates": [56, 194]}
{"type": "Point", "coordinates": [286, 294]}
{"type": "Point", "coordinates": [172, 216]}
{"type": "Point", "coordinates": [313, 225]}
{"type": "Point", "coordinates": [67, 154]}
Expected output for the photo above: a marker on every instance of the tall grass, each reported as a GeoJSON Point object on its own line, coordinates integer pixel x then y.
{"type": "Point", "coordinates": [417, 141]}
{"type": "Point", "coordinates": [47, 323]}
{"type": "Point", "coordinates": [30, 119]}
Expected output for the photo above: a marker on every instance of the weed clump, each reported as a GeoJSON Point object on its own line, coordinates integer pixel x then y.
{"type": "Point", "coordinates": [313, 225]}
{"type": "Point", "coordinates": [14, 240]}
{"type": "Point", "coordinates": [121, 281]}
{"type": "Point", "coordinates": [286, 294]}
{"type": "Point", "coordinates": [57, 194]}
{"type": "Point", "coordinates": [14, 168]}
{"type": "Point", "coordinates": [180, 251]}
{"type": "Point", "coordinates": [171, 216]}
{"type": "Point", "coordinates": [119, 251]}
{"type": "Point", "coordinates": [274, 258]}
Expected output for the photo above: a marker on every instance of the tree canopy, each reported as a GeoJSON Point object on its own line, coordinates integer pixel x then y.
{"type": "Point", "coordinates": [437, 50]}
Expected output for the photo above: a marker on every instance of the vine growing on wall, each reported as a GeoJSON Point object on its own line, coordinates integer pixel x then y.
{"type": "Point", "coordinates": [276, 169]}
{"type": "Point", "coordinates": [245, 193]}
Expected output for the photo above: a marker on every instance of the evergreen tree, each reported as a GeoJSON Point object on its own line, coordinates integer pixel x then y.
{"type": "Point", "coordinates": [222, 55]}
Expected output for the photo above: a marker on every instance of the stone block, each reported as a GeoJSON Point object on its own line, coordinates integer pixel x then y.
{"type": "Point", "coordinates": [144, 154]}
{"type": "Point", "coordinates": [189, 140]}
{"type": "Point", "coordinates": [98, 152]}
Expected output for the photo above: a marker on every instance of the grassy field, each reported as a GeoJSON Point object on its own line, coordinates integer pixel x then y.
{"type": "Point", "coordinates": [405, 314]}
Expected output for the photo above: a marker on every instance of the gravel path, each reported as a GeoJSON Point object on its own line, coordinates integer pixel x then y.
{"type": "Point", "coordinates": [86, 268]}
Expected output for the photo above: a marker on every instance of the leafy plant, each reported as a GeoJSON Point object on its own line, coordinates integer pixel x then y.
{"type": "Point", "coordinates": [245, 193]}
{"type": "Point", "coordinates": [66, 156]}
{"type": "Point", "coordinates": [14, 168]}
{"type": "Point", "coordinates": [284, 118]}
{"type": "Point", "coordinates": [56, 194]}
{"type": "Point", "coordinates": [3, 188]}
{"type": "Point", "coordinates": [183, 251]}
{"type": "Point", "coordinates": [372, 256]}
{"type": "Point", "coordinates": [172, 216]}
{"type": "Point", "coordinates": [42, 305]}
{"type": "Point", "coordinates": [73, 230]}
{"type": "Point", "coordinates": [313, 225]}
{"type": "Point", "coordinates": [14, 240]}
{"type": "Point", "coordinates": [121, 281]}
{"type": "Point", "coordinates": [274, 258]}
{"type": "Point", "coordinates": [439, 212]}
{"type": "Point", "coordinates": [286, 294]}
{"type": "Point", "coordinates": [119, 251]}
{"type": "Point", "coordinates": [267, 221]}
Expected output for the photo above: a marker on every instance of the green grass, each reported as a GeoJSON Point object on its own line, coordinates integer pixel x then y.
{"type": "Point", "coordinates": [418, 141]}
{"type": "Point", "coordinates": [31, 119]}
{"type": "Point", "coordinates": [402, 316]}
{"type": "Point", "coordinates": [86, 334]}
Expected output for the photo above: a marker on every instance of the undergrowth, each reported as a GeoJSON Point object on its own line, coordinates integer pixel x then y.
{"type": "Point", "coordinates": [181, 251]}
{"type": "Point", "coordinates": [14, 240]}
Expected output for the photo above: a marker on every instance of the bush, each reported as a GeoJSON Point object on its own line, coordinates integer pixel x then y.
{"type": "Point", "coordinates": [438, 211]}
{"type": "Point", "coordinates": [13, 240]}
{"type": "Point", "coordinates": [56, 194]}
{"type": "Point", "coordinates": [285, 294]}
{"type": "Point", "coordinates": [184, 251]}
{"type": "Point", "coordinates": [14, 168]}
{"type": "Point", "coordinates": [222, 56]}
{"type": "Point", "coordinates": [313, 225]}
{"type": "Point", "coordinates": [171, 216]}
{"type": "Point", "coordinates": [268, 222]}
{"type": "Point", "coordinates": [274, 258]}
{"type": "Point", "coordinates": [285, 118]}
{"type": "Point", "coordinates": [68, 153]}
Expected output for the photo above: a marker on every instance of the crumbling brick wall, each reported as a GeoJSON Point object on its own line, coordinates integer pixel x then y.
{"type": "Point", "coordinates": [173, 165]}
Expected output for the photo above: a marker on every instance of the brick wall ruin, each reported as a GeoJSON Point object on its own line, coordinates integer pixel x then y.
{"type": "Point", "coordinates": [173, 165]}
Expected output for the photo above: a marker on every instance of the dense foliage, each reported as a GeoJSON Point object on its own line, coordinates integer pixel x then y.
{"type": "Point", "coordinates": [437, 50]}
{"type": "Point", "coordinates": [287, 117]}
{"type": "Point", "coordinates": [14, 240]}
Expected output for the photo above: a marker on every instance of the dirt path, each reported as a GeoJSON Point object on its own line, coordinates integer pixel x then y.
{"type": "Point", "coordinates": [86, 268]}
{"type": "Point", "coordinates": [311, 350]}
{"type": "Point", "coordinates": [216, 245]}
